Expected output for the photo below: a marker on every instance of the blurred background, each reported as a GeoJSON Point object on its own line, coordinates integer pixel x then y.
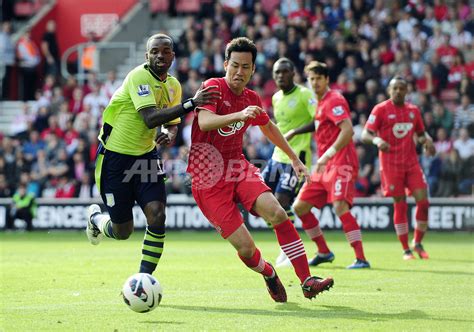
{"type": "Point", "coordinates": [61, 61]}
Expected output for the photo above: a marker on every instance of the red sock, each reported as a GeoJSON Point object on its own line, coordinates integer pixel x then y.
{"type": "Point", "coordinates": [292, 246]}
{"type": "Point", "coordinates": [421, 215]}
{"type": "Point", "coordinates": [258, 264]}
{"type": "Point", "coordinates": [420, 231]}
{"type": "Point", "coordinates": [353, 234]}
{"type": "Point", "coordinates": [311, 227]}
{"type": "Point", "coordinates": [401, 223]}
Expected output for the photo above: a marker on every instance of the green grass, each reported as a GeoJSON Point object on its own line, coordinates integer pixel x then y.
{"type": "Point", "coordinates": [57, 281]}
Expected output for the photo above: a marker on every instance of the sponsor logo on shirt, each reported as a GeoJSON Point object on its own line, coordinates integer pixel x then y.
{"type": "Point", "coordinates": [392, 116]}
{"type": "Point", "coordinates": [231, 129]}
{"type": "Point", "coordinates": [227, 103]}
{"type": "Point", "coordinates": [401, 129]}
{"type": "Point", "coordinates": [411, 115]}
{"type": "Point", "coordinates": [338, 111]}
{"type": "Point", "coordinates": [143, 90]}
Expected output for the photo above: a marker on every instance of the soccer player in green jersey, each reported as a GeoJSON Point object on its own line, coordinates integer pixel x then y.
{"type": "Point", "coordinates": [293, 106]}
{"type": "Point", "coordinates": [128, 167]}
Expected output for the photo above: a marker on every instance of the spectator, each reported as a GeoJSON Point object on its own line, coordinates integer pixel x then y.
{"type": "Point", "coordinates": [29, 59]}
{"type": "Point", "coordinates": [442, 117]}
{"type": "Point", "coordinates": [23, 207]}
{"type": "Point", "coordinates": [431, 166]}
{"type": "Point", "coordinates": [450, 175]}
{"type": "Point", "coordinates": [464, 144]}
{"type": "Point", "coordinates": [7, 54]}
{"type": "Point", "coordinates": [50, 49]}
{"type": "Point", "coordinates": [110, 85]}
{"type": "Point", "coordinates": [464, 113]}
{"type": "Point", "coordinates": [443, 144]}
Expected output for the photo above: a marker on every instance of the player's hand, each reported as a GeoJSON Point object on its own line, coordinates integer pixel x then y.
{"type": "Point", "coordinates": [383, 146]}
{"type": "Point", "coordinates": [207, 95]}
{"type": "Point", "coordinates": [250, 112]}
{"type": "Point", "coordinates": [289, 135]}
{"type": "Point", "coordinates": [429, 147]}
{"type": "Point", "coordinates": [321, 163]}
{"type": "Point", "coordinates": [301, 170]}
{"type": "Point", "coordinates": [162, 139]}
{"type": "Point", "coordinates": [167, 135]}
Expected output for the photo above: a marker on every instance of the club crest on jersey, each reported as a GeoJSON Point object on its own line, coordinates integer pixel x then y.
{"type": "Point", "coordinates": [338, 111]}
{"type": "Point", "coordinates": [231, 129]}
{"type": "Point", "coordinates": [292, 103]}
{"type": "Point", "coordinates": [312, 101]}
{"type": "Point", "coordinates": [143, 90]}
{"type": "Point", "coordinates": [401, 129]}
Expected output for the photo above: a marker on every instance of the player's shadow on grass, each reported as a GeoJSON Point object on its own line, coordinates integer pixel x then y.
{"type": "Point", "coordinates": [447, 272]}
{"type": "Point", "coordinates": [320, 312]}
{"type": "Point", "coordinates": [353, 313]}
{"type": "Point", "coordinates": [161, 322]}
{"type": "Point", "coordinates": [330, 312]}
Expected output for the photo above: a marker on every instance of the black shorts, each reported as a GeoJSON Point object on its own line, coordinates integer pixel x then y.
{"type": "Point", "coordinates": [126, 179]}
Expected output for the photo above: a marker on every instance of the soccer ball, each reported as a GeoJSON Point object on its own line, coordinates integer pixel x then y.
{"type": "Point", "coordinates": [142, 292]}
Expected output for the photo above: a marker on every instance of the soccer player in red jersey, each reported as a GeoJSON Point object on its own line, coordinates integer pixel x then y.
{"type": "Point", "coordinates": [222, 177]}
{"type": "Point", "coordinates": [336, 169]}
{"type": "Point", "coordinates": [392, 126]}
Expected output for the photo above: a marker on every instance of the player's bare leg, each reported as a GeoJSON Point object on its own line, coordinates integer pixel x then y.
{"type": "Point", "coordinates": [290, 242]}
{"type": "Point", "coordinates": [352, 232]}
{"type": "Point", "coordinates": [314, 232]}
{"type": "Point", "coordinates": [250, 255]}
{"type": "Point", "coordinates": [400, 220]}
{"type": "Point", "coordinates": [421, 215]}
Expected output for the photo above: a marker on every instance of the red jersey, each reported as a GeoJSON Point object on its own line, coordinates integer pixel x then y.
{"type": "Point", "coordinates": [226, 142]}
{"type": "Point", "coordinates": [331, 110]}
{"type": "Point", "coordinates": [396, 126]}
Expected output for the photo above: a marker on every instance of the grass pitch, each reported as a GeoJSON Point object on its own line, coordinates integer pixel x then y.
{"type": "Point", "coordinates": [57, 281]}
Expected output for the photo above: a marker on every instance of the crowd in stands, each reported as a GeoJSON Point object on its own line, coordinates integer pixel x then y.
{"type": "Point", "coordinates": [364, 43]}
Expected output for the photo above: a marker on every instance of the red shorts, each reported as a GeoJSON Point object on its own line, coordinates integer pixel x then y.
{"type": "Point", "coordinates": [336, 183]}
{"type": "Point", "coordinates": [219, 203]}
{"type": "Point", "coordinates": [394, 182]}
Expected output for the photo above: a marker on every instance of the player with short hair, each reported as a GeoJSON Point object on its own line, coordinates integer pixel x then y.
{"type": "Point", "coordinates": [222, 177]}
{"type": "Point", "coordinates": [128, 165]}
{"type": "Point", "coordinates": [293, 106]}
{"type": "Point", "coordinates": [391, 127]}
{"type": "Point", "coordinates": [336, 169]}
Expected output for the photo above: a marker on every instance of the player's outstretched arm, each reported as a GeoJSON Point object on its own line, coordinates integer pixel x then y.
{"type": "Point", "coordinates": [369, 137]}
{"type": "Point", "coordinates": [307, 128]}
{"type": "Point", "coordinates": [271, 131]}
{"type": "Point", "coordinates": [155, 117]}
{"type": "Point", "coordinates": [208, 120]}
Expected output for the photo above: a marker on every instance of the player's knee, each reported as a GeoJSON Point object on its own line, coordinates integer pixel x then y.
{"type": "Point", "coordinates": [340, 207]}
{"type": "Point", "coordinates": [300, 209]}
{"type": "Point", "coordinates": [277, 215]}
{"type": "Point", "coordinates": [246, 251]}
{"type": "Point", "coordinates": [155, 215]}
{"type": "Point", "coordinates": [422, 210]}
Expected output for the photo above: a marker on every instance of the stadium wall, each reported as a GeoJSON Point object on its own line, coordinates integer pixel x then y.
{"type": "Point", "coordinates": [446, 215]}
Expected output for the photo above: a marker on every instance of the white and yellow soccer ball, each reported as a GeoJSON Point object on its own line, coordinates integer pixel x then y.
{"type": "Point", "coordinates": [142, 292]}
